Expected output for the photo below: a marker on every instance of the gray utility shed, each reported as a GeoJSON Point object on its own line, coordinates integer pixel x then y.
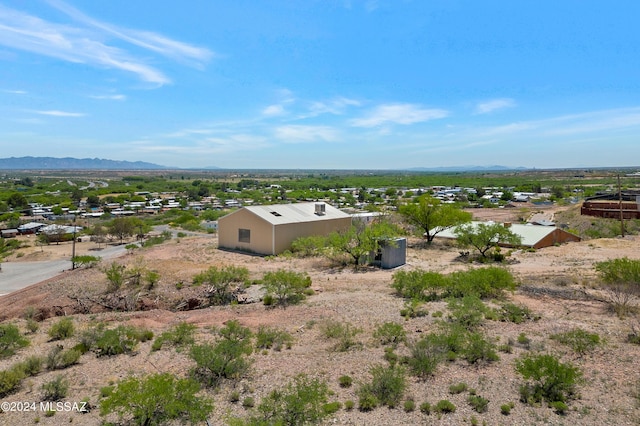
{"type": "Point", "coordinates": [392, 252]}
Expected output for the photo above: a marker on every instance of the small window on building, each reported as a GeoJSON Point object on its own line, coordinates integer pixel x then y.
{"type": "Point", "coordinates": [276, 214]}
{"type": "Point", "coordinates": [244, 235]}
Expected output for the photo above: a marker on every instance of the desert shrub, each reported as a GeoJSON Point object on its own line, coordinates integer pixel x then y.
{"type": "Point", "coordinates": [579, 340]}
{"type": "Point", "coordinates": [115, 276]}
{"type": "Point", "coordinates": [621, 279]}
{"type": "Point", "coordinates": [425, 355]}
{"type": "Point", "coordinates": [32, 325]}
{"type": "Point", "coordinates": [409, 405]}
{"type": "Point", "coordinates": [458, 388]}
{"type": "Point", "coordinates": [343, 333]}
{"type": "Point", "coordinates": [85, 261]}
{"type": "Point", "coordinates": [444, 406]}
{"type": "Point", "coordinates": [559, 407]}
{"type": "Point", "coordinates": [32, 365]}
{"type": "Point", "coordinates": [485, 283]}
{"type": "Point", "coordinates": [345, 381]}
{"type": "Point", "coordinates": [390, 333]}
{"type": "Point", "coordinates": [300, 402]}
{"type": "Point", "coordinates": [478, 403]}
{"type": "Point", "coordinates": [221, 282]}
{"type": "Point", "coordinates": [287, 287]}
{"type": "Point", "coordinates": [59, 358]}
{"type": "Point", "coordinates": [308, 246]}
{"type": "Point", "coordinates": [248, 402]}
{"type": "Point", "coordinates": [524, 340]}
{"type": "Point", "coordinates": [515, 313]}
{"type": "Point", "coordinates": [468, 311]}
{"type": "Point", "coordinates": [268, 337]}
{"type": "Point", "coordinates": [505, 409]}
{"type": "Point", "coordinates": [420, 285]}
{"type": "Point", "coordinates": [425, 408]}
{"type": "Point", "coordinates": [62, 329]}
{"type": "Point", "coordinates": [387, 385]}
{"type": "Point", "coordinates": [479, 349]}
{"type": "Point", "coordinates": [226, 359]}
{"type": "Point", "coordinates": [11, 340]}
{"type": "Point", "coordinates": [234, 397]}
{"type": "Point", "coordinates": [120, 340]}
{"type": "Point", "coordinates": [56, 389]}
{"type": "Point", "coordinates": [349, 404]}
{"type": "Point", "coordinates": [10, 380]}
{"type": "Point", "coordinates": [157, 400]}
{"type": "Point", "coordinates": [331, 407]}
{"type": "Point", "coordinates": [413, 309]}
{"type": "Point", "coordinates": [367, 401]}
{"type": "Point", "coordinates": [548, 379]}
{"type": "Point", "coordinates": [180, 336]}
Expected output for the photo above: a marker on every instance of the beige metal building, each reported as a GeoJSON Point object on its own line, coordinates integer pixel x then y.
{"type": "Point", "coordinates": [271, 229]}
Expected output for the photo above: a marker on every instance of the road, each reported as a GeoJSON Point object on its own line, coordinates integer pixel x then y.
{"type": "Point", "coordinates": [17, 275]}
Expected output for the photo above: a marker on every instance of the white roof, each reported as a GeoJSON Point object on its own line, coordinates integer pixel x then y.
{"type": "Point", "coordinates": [529, 233]}
{"type": "Point", "coordinates": [278, 214]}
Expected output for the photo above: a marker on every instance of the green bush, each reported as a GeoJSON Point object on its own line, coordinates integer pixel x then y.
{"type": "Point", "coordinates": [409, 405]}
{"type": "Point", "coordinates": [621, 279]}
{"type": "Point", "coordinates": [390, 333]}
{"type": "Point", "coordinates": [425, 355]}
{"type": "Point", "coordinates": [287, 287]}
{"type": "Point", "coordinates": [345, 381]}
{"type": "Point", "coordinates": [120, 340]}
{"type": "Point", "coordinates": [546, 378]}
{"type": "Point", "coordinates": [222, 283]}
{"type": "Point", "coordinates": [10, 380]}
{"type": "Point", "coordinates": [331, 407]}
{"type": "Point", "coordinates": [579, 340]}
{"type": "Point", "coordinates": [179, 336]}
{"type": "Point", "coordinates": [444, 406]}
{"type": "Point", "coordinates": [268, 337]}
{"type": "Point", "coordinates": [32, 365]}
{"type": "Point", "coordinates": [349, 404]}
{"type": "Point", "coordinates": [59, 358]}
{"type": "Point", "coordinates": [62, 329]}
{"type": "Point", "coordinates": [248, 402]}
{"type": "Point", "coordinates": [309, 246]}
{"type": "Point", "coordinates": [157, 400]}
{"type": "Point", "coordinates": [56, 389]}
{"type": "Point", "coordinates": [478, 403]}
{"type": "Point", "coordinates": [505, 409]}
{"type": "Point", "coordinates": [478, 349]}
{"type": "Point", "coordinates": [387, 385]}
{"type": "Point", "coordinates": [458, 388]}
{"type": "Point", "coordinates": [468, 311]}
{"type": "Point", "coordinates": [425, 408]}
{"type": "Point", "coordinates": [367, 401]}
{"type": "Point", "coordinates": [515, 313]}
{"type": "Point", "coordinates": [226, 359]}
{"type": "Point", "coordinates": [560, 407]}
{"type": "Point", "coordinates": [10, 340]}
{"type": "Point", "coordinates": [343, 333]}
{"type": "Point", "coordinates": [303, 401]}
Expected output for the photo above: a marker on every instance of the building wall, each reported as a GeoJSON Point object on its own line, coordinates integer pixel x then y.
{"type": "Point", "coordinates": [261, 232]}
{"type": "Point", "coordinates": [558, 236]}
{"type": "Point", "coordinates": [285, 234]}
{"type": "Point", "coordinates": [610, 209]}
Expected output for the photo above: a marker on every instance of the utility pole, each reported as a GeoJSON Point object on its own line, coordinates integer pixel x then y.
{"type": "Point", "coordinates": [73, 246]}
{"type": "Point", "coordinates": [621, 211]}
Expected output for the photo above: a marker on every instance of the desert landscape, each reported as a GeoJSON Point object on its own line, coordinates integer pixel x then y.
{"type": "Point", "coordinates": [558, 285]}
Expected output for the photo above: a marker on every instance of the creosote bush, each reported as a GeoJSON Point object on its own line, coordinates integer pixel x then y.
{"type": "Point", "coordinates": [343, 333]}
{"type": "Point", "coordinates": [579, 340]}
{"type": "Point", "coordinates": [286, 287]}
{"type": "Point", "coordinates": [390, 333]}
{"type": "Point", "coordinates": [621, 279]}
{"type": "Point", "coordinates": [268, 338]}
{"type": "Point", "coordinates": [56, 389]}
{"type": "Point", "coordinates": [547, 379]}
{"type": "Point", "coordinates": [222, 283]}
{"type": "Point", "coordinates": [387, 387]}
{"type": "Point", "coordinates": [120, 340]}
{"type": "Point", "coordinates": [179, 336]}
{"type": "Point", "coordinates": [62, 329]}
{"type": "Point", "coordinates": [11, 340]}
{"type": "Point", "coordinates": [59, 358]}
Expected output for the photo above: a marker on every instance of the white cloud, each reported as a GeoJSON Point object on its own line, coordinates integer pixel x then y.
{"type": "Point", "coordinates": [56, 113]}
{"type": "Point", "coordinates": [335, 106]}
{"type": "Point", "coordinates": [15, 92]}
{"type": "Point", "coordinates": [399, 114]}
{"type": "Point", "coordinates": [273, 110]}
{"type": "Point", "coordinates": [110, 97]}
{"type": "Point", "coordinates": [86, 45]}
{"type": "Point", "coordinates": [493, 105]}
{"type": "Point", "coordinates": [296, 133]}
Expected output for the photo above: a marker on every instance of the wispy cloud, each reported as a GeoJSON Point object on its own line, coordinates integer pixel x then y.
{"type": "Point", "coordinates": [399, 114]}
{"type": "Point", "coordinates": [85, 44]}
{"type": "Point", "coordinates": [109, 97]}
{"type": "Point", "coordinates": [15, 92]}
{"type": "Point", "coordinates": [297, 134]}
{"type": "Point", "coordinates": [274, 110]}
{"type": "Point", "coordinates": [336, 106]}
{"type": "Point", "coordinates": [56, 113]}
{"type": "Point", "coordinates": [493, 105]}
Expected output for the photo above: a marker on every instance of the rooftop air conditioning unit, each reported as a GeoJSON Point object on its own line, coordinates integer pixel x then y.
{"type": "Point", "coordinates": [320, 209]}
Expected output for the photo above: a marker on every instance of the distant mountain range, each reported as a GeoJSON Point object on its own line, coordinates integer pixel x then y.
{"type": "Point", "coordinates": [68, 163]}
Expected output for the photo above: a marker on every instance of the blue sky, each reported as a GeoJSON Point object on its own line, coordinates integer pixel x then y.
{"type": "Point", "coordinates": [322, 84]}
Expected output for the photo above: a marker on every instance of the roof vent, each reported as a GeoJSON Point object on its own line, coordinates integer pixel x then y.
{"type": "Point", "coordinates": [320, 209]}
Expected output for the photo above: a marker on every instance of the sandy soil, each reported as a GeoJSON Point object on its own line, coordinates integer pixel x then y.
{"type": "Point", "coordinates": [557, 283]}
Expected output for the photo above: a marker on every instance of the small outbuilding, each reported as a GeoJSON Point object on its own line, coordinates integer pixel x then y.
{"type": "Point", "coordinates": [270, 229]}
{"type": "Point", "coordinates": [392, 253]}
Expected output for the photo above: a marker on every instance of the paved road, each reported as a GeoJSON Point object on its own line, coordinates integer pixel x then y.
{"type": "Point", "coordinates": [17, 275]}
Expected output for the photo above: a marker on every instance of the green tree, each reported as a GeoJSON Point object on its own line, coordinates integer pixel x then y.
{"type": "Point", "coordinates": [157, 400]}
{"type": "Point", "coordinates": [484, 236]}
{"type": "Point", "coordinates": [432, 216]}
{"type": "Point", "coordinates": [360, 240]}
{"type": "Point", "coordinates": [122, 227]}
{"type": "Point", "coordinates": [17, 201]}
